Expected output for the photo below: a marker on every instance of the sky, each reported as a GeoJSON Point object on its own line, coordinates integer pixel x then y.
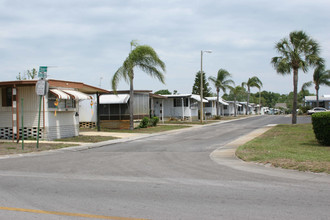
{"type": "Point", "coordinates": [88, 40]}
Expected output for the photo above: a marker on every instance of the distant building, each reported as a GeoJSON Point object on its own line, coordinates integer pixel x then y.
{"type": "Point", "coordinates": [182, 106]}
{"type": "Point", "coordinates": [324, 101]}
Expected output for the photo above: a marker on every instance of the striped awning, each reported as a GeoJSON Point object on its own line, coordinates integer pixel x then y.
{"type": "Point", "coordinates": [77, 95]}
{"type": "Point", "coordinates": [60, 94]}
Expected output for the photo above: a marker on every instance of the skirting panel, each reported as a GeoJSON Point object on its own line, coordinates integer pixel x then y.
{"type": "Point", "coordinates": [29, 133]}
{"type": "Point", "coordinates": [87, 124]}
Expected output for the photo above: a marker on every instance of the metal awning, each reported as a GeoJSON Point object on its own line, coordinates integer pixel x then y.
{"type": "Point", "coordinates": [215, 99]}
{"type": "Point", "coordinates": [114, 99]}
{"type": "Point", "coordinates": [223, 102]}
{"type": "Point", "coordinates": [60, 94]}
{"type": "Point", "coordinates": [198, 98]}
{"type": "Point", "coordinates": [77, 95]}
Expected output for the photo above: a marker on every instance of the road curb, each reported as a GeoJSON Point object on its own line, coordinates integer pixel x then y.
{"type": "Point", "coordinates": [226, 156]}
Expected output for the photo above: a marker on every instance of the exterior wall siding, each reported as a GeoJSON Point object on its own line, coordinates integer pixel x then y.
{"type": "Point", "coordinates": [141, 104]}
{"type": "Point", "coordinates": [30, 114]}
{"type": "Point", "coordinates": [63, 131]}
{"type": "Point", "coordinates": [64, 124]}
{"type": "Point", "coordinates": [86, 112]}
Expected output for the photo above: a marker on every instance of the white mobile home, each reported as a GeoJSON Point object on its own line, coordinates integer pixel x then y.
{"type": "Point", "coordinates": [59, 115]}
{"type": "Point", "coordinates": [182, 106]}
{"type": "Point", "coordinates": [211, 107]}
{"type": "Point", "coordinates": [230, 109]}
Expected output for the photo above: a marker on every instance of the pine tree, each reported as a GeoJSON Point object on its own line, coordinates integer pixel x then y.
{"type": "Point", "coordinates": [197, 85]}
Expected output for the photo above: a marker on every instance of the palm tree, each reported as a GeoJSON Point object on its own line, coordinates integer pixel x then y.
{"type": "Point", "coordinates": [252, 82]}
{"type": "Point", "coordinates": [236, 91]}
{"type": "Point", "coordinates": [320, 77]}
{"type": "Point", "coordinates": [304, 91]}
{"type": "Point", "coordinates": [221, 82]}
{"type": "Point", "coordinates": [298, 52]}
{"type": "Point", "coordinates": [145, 58]}
{"type": "Point", "coordinates": [305, 86]}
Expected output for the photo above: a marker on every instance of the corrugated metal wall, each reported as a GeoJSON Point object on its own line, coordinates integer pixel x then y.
{"type": "Point", "coordinates": [141, 104]}
{"type": "Point", "coordinates": [31, 103]}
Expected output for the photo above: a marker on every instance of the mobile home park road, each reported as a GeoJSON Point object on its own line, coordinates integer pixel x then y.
{"type": "Point", "coordinates": [165, 176]}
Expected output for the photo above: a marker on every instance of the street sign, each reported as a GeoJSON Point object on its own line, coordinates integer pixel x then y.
{"type": "Point", "coordinates": [42, 87]}
{"type": "Point", "coordinates": [42, 72]}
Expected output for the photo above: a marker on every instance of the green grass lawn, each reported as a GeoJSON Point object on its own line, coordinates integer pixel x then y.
{"type": "Point", "coordinates": [149, 130]}
{"type": "Point", "coordinates": [14, 148]}
{"type": "Point", "coordinates": [290, 147]}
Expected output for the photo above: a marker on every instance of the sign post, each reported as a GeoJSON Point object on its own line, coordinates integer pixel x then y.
{"type": "Point", "coordinates": [42, 72]}
{"type": "Point", "coordinates": [41, 90]}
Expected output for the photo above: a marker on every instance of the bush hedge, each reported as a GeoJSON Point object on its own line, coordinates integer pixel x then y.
{"type": "Point", "coordinates": [144, 122]}
{"type": "Point", "coordinates": [153, 121]}
{"type": "Point", "coordinates": [321, 127]}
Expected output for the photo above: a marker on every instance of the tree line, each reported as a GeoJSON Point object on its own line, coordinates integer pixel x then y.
{"type": "Point", "coordinates": [297, 52]}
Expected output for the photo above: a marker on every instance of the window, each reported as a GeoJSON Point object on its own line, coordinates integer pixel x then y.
{"type": "Point", "coordinates": [7, 96]}
{"type": "Point", "coordinates": [225, 107]}
{"type": "Point", "coordinates": [193, 104]}
{"type": "Point", "coordinates": [208, 104]}
{"type": "Point", "coordinates": [177, 102]}
{"type": "Point", "coordinates": [62, 103]}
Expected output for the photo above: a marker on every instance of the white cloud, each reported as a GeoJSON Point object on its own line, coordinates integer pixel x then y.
{"type": "Point", "coordinates": [89, 39]}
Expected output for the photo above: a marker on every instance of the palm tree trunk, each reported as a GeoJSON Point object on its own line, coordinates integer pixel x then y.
{"type": "Point", "coordinates": [235, 107]}
{"type": "Point", "coordinates": [295, 88]}
{"type": "Point", "coordinates": [217, 104]}
{"type": "Point", "coordinates": [131, 103]}
{"type": "Point", "coordinates": [259, 102]}
{"type": "Point", "coordinates": [317, 96]}
{"type": "Point", "coordinates": [248, 101]}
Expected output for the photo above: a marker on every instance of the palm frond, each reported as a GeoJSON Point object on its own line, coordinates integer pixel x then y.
{"type": "Point", "coordinates": [153, 72]}
{"type": "Point", "coordinates": [120, 73]}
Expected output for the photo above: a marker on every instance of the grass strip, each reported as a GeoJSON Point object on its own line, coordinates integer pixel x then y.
{"type": "Point", "coordinates": [289, 147]}
{"type": "Point", "coordinates": [14, 148]}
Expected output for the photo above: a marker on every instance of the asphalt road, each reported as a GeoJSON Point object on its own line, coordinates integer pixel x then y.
{"type": "Point", "coordinates": [167, 176]}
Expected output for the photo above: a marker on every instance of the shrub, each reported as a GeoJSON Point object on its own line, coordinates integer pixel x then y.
{"type": "Point", "coordinates": [144, 123]}
{"type": "Point", "coordinates": [153, 121]}
{"type": "Point", "coordinates": [217, 117]}
{"type": "Point", "coordinates": [321, 127]}
{"type": "Point", "coordinates": [304, 109]}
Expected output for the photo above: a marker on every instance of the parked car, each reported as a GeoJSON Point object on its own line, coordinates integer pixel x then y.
{"type": "Point", "coordinates": [317, 109]}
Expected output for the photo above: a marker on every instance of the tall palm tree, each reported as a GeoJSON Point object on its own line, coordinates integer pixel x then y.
{"type": "Point", "coordinates": [320, 77]}
{"type": "Point", "coordinates": [145, 58]}
{"type": "Point", "coordinates": [221, 82]}
{"type": "Point", "coordinates": [299, 51]}
{"type": "Point", "coordinates": [236, 91]}
{"type": "Point", "coordinates": [252, 82]}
